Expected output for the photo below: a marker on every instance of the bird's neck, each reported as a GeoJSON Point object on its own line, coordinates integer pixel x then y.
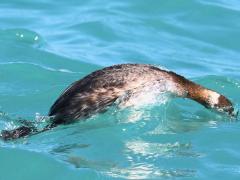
{"type": "Point", "coordinates": [196, 92]}
{"type": "Point", "coordinates": [204, 96]}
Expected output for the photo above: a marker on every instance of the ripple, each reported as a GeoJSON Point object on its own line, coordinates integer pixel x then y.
{"type": "Point", "coordinates": [39, 66]}
{"type": "Point", "coordinates": [97, 29]}
{"type": "Point", "coordinates": [44, 46]}
{"type": "Point", "coordinates": [230, 4]}
{"type": "Point", "coordinates": [23, 36]}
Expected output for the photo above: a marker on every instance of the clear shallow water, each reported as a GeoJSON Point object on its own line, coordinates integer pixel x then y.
{"type": "Point", "coordinates": [44, 46]}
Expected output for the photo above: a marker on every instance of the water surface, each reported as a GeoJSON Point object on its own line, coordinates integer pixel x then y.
{"type": "Point", "coordinates": [46, 45]}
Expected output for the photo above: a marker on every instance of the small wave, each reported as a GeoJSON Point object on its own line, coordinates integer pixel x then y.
{"type": "Point", "coordinates": [230, 4]}
{"type": "Point", "coordinates": [97, 29]}
{"type": "Point", "coordinates": [42, 67]}
{"type": "Point", "coordinates": [24, 36]}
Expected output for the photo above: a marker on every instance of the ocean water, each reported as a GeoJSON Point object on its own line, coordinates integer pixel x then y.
{"type": "Point", "coordinates": [46, 45]}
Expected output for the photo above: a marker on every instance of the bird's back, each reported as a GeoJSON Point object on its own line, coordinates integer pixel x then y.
{"type": "Point", "coordinates": [100, 89]}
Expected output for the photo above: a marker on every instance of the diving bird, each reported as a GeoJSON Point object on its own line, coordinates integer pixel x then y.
{"type": "Point", "coordinates": [100, 89]}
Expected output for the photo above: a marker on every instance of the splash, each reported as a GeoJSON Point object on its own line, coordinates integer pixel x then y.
{"type": "Point", "coordinates": [152, 93]}
{"type": "Point", "coordinates": [9, 122]}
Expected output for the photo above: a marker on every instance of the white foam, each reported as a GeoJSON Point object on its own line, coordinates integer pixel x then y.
{"type": "Point", "coordinates": [147, 94]}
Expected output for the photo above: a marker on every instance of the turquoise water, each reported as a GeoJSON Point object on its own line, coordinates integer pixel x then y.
{"type": "Point", "coordinates": [46, 45]}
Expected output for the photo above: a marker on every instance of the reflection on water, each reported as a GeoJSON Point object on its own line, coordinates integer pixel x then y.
{"type": "Point", "coordinates": [149, 141]}
{"type": "Point", "coordinates": [68, 147]}
{"type": "Point", "coordinates": [141, 151]}
{"type": "Point", "coordinates": [149, 171]}
{"type": "Point", "coordinates": [129, 153]}
{"type": "Point", "coordinates": [46, 45]}
{"type": "Point", "coordinates": [79, 162]}
{"type": "Point", "coordinates": [155, 150]}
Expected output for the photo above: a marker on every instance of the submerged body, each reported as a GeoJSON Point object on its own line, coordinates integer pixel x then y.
{"type": "Point", "coordinates": [102, 88]}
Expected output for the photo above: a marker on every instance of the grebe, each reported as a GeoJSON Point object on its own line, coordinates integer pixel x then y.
{"type": "Point", "coordinates": [102, 88]}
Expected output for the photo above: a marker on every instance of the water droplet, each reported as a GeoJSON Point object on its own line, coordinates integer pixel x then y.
{"type": "Point", "coordinates": [36, 38]}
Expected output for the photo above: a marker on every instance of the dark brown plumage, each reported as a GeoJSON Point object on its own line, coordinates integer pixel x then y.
{"type": "Point", "coordinates": [102, 88]}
